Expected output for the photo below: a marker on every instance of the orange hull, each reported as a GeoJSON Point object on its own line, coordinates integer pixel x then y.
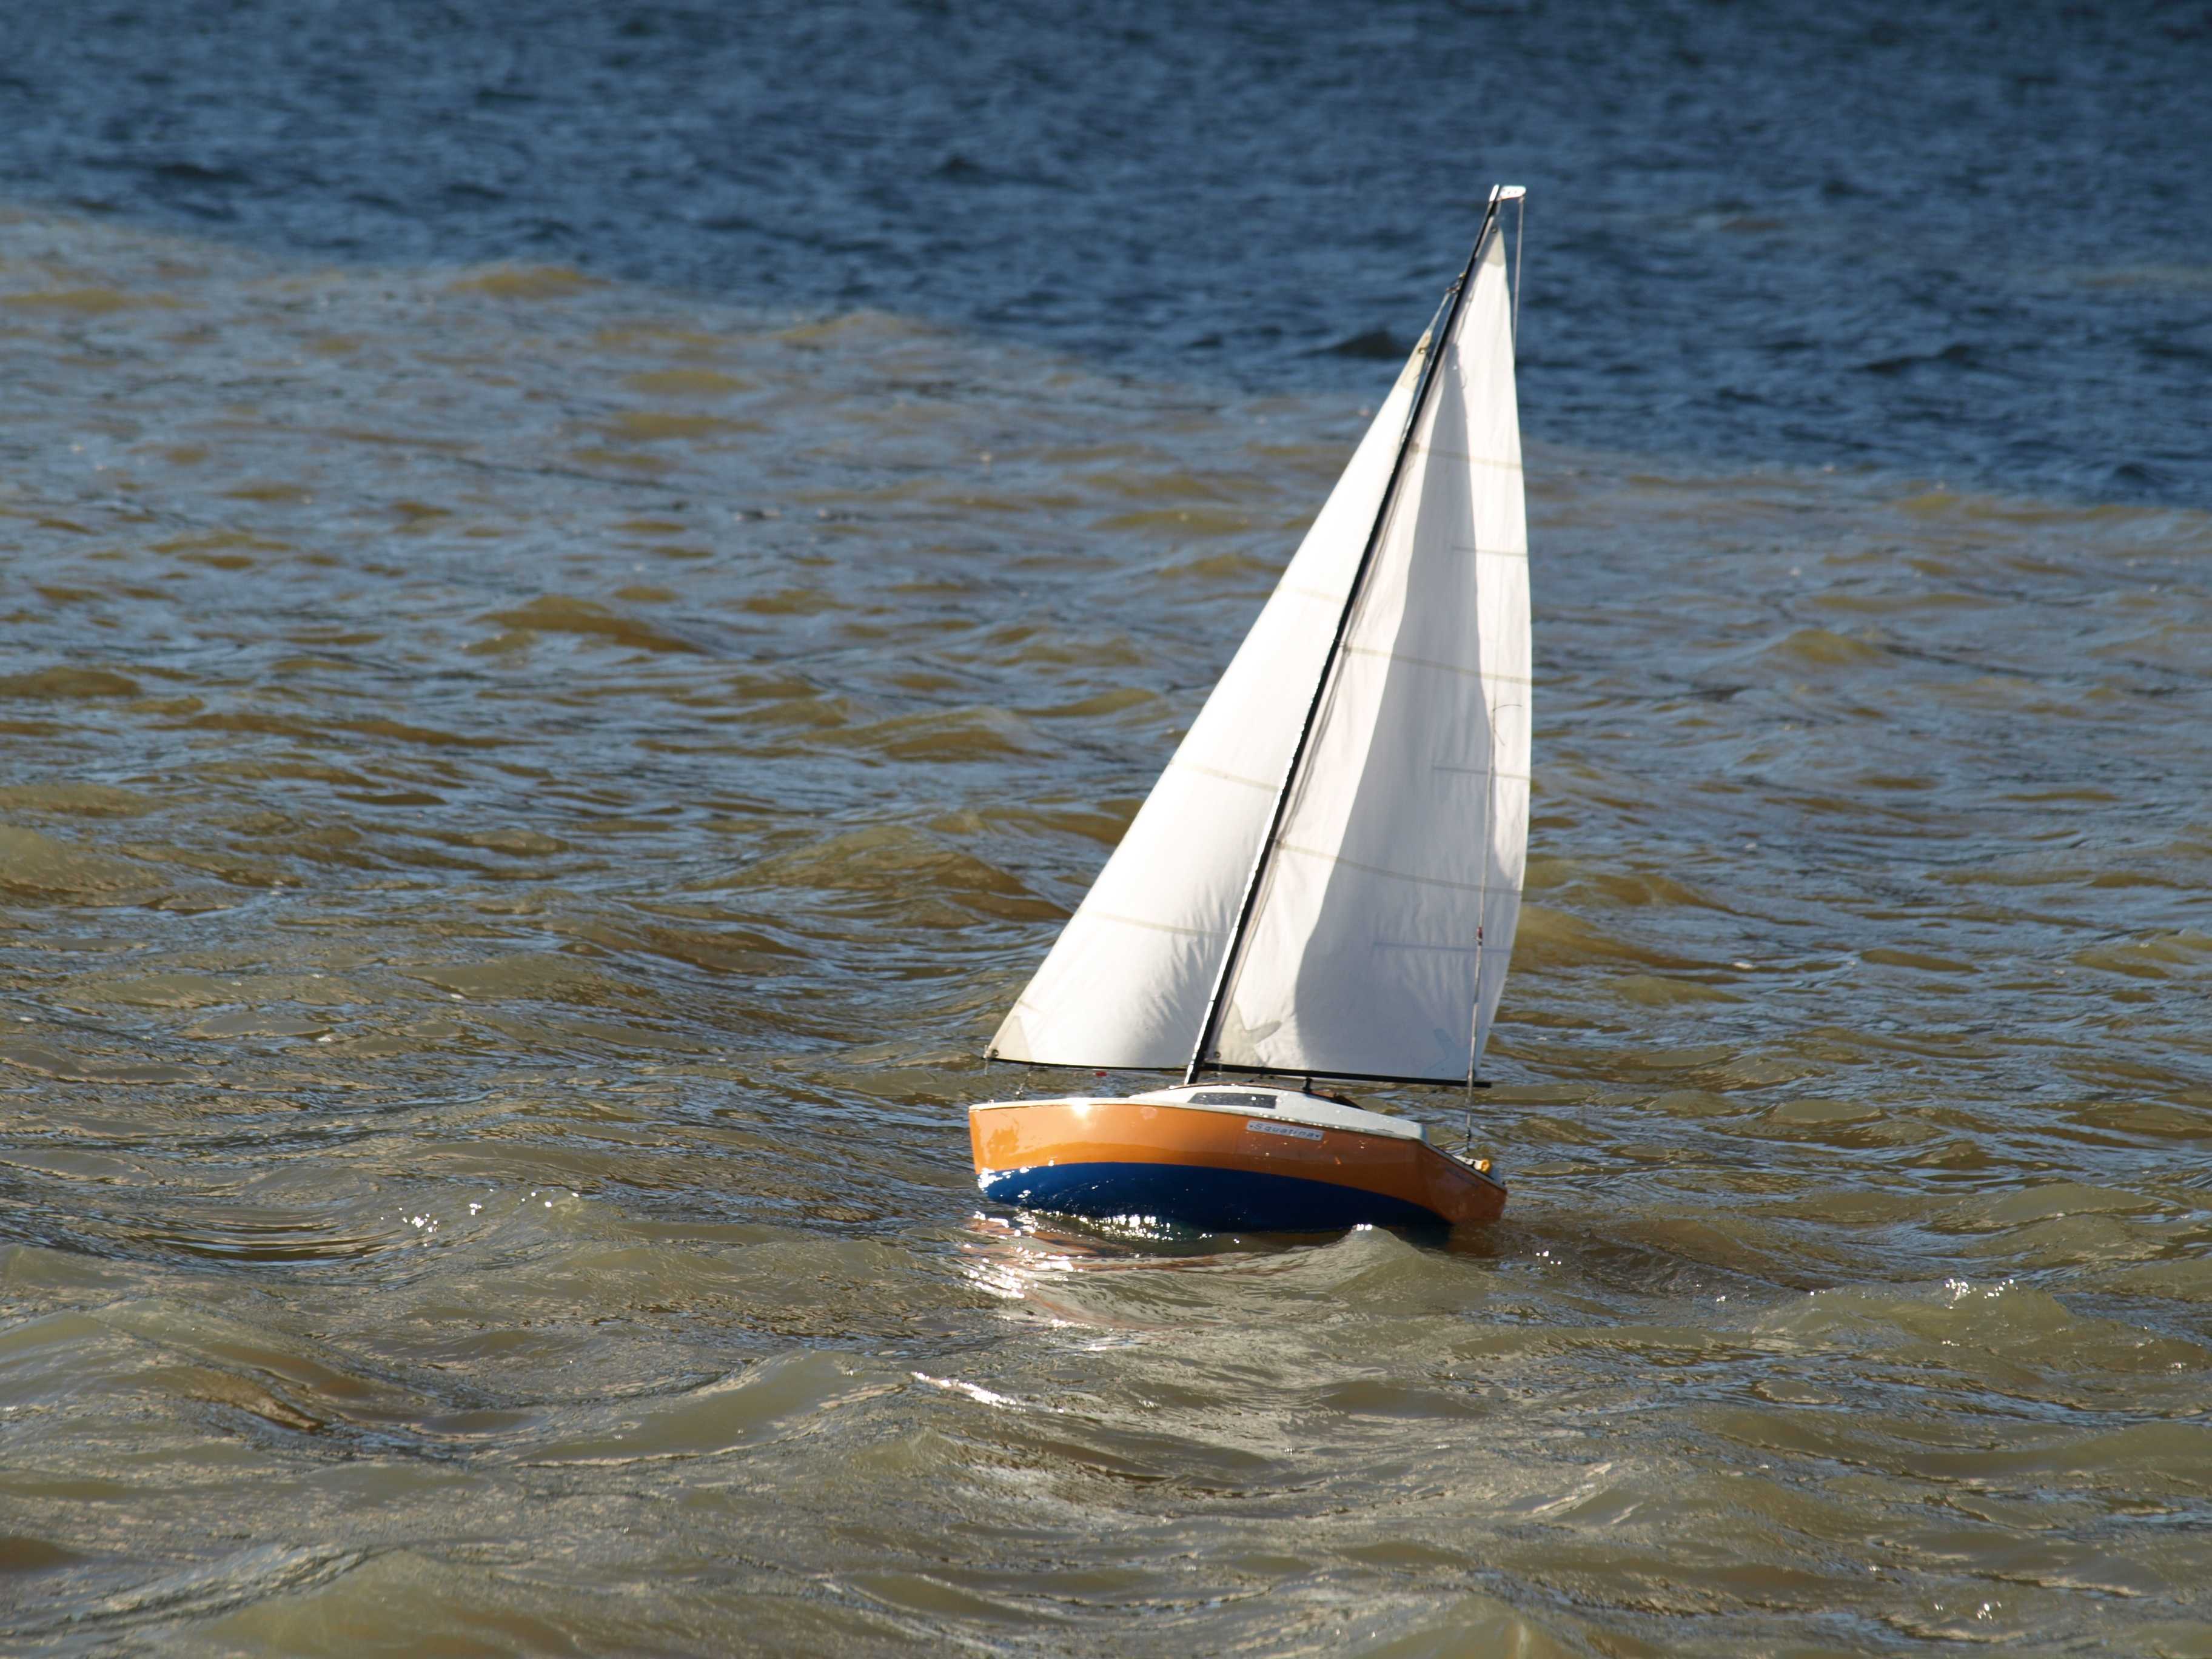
{"type": "Point", "coordinates": [1135, 1156]}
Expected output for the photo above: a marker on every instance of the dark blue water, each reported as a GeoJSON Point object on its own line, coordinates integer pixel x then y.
{"type": "Point", "coordinates": [1971, 243]}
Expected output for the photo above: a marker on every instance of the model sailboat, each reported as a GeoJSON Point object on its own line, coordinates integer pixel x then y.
{"type": "Point", "coordinates": [1325, 881]}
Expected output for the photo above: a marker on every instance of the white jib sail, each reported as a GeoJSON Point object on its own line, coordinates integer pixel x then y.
{"type": "Point", "coordinates": [1385, 917]}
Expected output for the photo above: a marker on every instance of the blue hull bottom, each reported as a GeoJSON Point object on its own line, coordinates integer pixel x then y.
{"type": "Point", "coordinates": [1193, 1195]}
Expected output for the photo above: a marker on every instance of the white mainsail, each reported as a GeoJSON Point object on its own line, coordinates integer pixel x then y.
{"type": "Point", "coordinates": [1383, 915]}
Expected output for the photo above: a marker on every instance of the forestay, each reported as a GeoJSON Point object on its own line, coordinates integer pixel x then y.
{"type": "Point", "coordinates": [1385, 907]}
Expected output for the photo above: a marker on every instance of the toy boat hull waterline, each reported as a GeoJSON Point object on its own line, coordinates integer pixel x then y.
{"type": "Point", "coordinates": [1224, 1160]}
{"type": "Point", "coordinates": [1326, 880]}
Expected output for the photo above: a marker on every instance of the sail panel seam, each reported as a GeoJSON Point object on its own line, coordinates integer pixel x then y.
{"type": "Point", "coordinates": [1157, 927]}
{"type": "Point", "coordinates": [1472, 460]}
{"type": "Point", "coordinates": [1215, 772]}
{"type": "Point", "coordinates": [1378, 870]}
{"type": "Point", "coordinates": [1488, 676]}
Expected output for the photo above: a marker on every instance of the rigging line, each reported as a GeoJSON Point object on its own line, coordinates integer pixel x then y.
{"type": "Point", "coordinates": [1439, 341]}
{"type": "Point", "coordinates": [1490, 796]}
{"type": "Point", "coordinates": [1479, 1035]}
{"type": "Point", "coordinates": [1520, 235]}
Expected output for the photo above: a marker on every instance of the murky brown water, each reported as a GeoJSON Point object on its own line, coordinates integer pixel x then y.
{"type": "Point", "coordinates": [522, 799]}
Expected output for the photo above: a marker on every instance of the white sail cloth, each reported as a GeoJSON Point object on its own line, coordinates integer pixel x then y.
{"type": "Point", "coordinates": [1385, 914]}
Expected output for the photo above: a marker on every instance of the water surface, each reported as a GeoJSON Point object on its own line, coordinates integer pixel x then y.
{"type": "Point", "coordinates": [525, 797]}
{"type": "Point", "coordinates": [579, 605]}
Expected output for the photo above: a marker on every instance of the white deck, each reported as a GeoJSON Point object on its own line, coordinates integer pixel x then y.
{"type": "Point", "coordinates": [1253, 1100]}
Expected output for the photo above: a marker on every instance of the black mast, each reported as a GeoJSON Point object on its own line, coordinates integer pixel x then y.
{"type": "Point", "coordinates": [1438, 341]}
